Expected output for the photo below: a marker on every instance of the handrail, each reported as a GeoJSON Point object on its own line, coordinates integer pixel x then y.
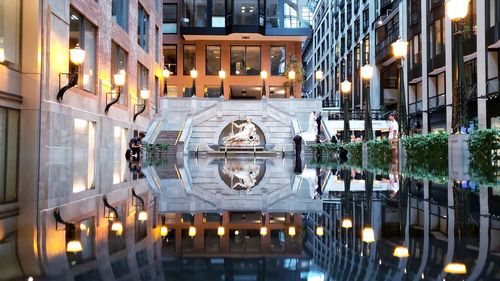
{"type": "Point", "coordinates": [152, 133]}
{"type": "Point", "coordinates": [180, 132]}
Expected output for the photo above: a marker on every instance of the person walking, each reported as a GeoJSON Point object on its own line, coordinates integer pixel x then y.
{"type": "Point", "coordinates": [393, 136]}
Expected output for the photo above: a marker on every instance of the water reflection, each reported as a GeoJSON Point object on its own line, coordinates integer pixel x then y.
{"type": "Point", "coordinates": [287, 219]}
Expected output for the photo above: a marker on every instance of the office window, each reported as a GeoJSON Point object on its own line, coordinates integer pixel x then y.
{"type": "Point", "coordinates": [119, 59]}
{"type": "Point", "coordinates": [82, 32]}
{"type": "Point", "coordinates": [142, 80]}
{"type": "Point", "coordinates": [169, 18]}
{"type": "Point", "coordinates": [10, 28]}
{"type": "Point", "coordinates": [212, 60]}
{"type": "Point", "coordinates": [83, 155]}
{"type": "Point", "coordinates": [245, 12]}
{"type": "Point", "coordinates": [272, 13]}
{"type": "Point", "coordinates": [438, 33]}
{"type": "Point", "coordinates": [143, 29]}
{"type": "Point", "coordinates": [85, 233]}
{"type": "Point", "coordinates": [245, 60]}
{"type": "Point", "coordinates": [120, 144]}
{"type": "Point", "coordinates": [170, 58]}
{"type": "Point", "coordinates": [218, 13]}
{"type": "Point", "coordinates": [119, 13]}
{"type": "Point", "coordinates": [366, 50]}
{"type": "Point", "coordinates": [157, 44]}
{"type": "Point", "coordinates": [416, 49]}
{"type": "Point", "coordinates": [278, 60]}
{"type": "Point", "coordinates": [9, 138]}
{"type": "Point", "coordinates": [189, 59]}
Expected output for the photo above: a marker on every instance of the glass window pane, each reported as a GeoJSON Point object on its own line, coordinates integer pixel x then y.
{"type": "Point", "coordinates": [212, 91]}
{"type": "Point", "coordinates": [170, 57]}
{"type": "Point", "coordinates": [119, 62]}
{"type": "Point", "coordinates": [238, 60]}
{"type": "Point", "coordinates": [119, 13]}
{"type": "Point", "coordinates": [277, 60]}
{"type": "Point", "coordinates": [88, 80]}
{"type": "Point", "coordinates": [245, 12]}
{"type": "Point", "coordinates": [272, 16]}
{"type": "Point", "coordinates": [218, 14]}
{"type": "Point", "coordinates": [169, 18]}
{"type": "Point", "coordinates": [189, 59]}
{"type": "Point", "coordinates": [142, 29]}
{"type": "Point", "coordinates": [83, 155]}
{"type": "Point", "coordinates": [253, 60]}
{"type": "Point", "coordinates": [213, 60]}
{"type": "Point", "coordinates": [3, 133]}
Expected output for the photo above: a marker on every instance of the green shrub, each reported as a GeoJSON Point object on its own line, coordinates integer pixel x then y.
{"type": "Point", "coordinates": [435, 171]}
{"type": "Point", "coordinates": [428, 147]}
{"type": "Point", "coordinates": [355, 150]}
{"type": "Point", "coordinates": [484, 149]}
{"type": "Point", "coordinates": [379, 151]}
{"type": "Point", "coordinates": [325, 149]}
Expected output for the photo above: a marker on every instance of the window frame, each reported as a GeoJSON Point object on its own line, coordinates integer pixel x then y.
{"type": "Point", "coordinates": [126, 9]}
{"type": "Point", "coordinates": [245, 59]}
{"type": "Point", "coordinates": [3, 185]}
{"type": "Point", "coordinates": [184, 72]}
{"type": "Point", "coordinates": [176, 59]}
{"type": "Point", "coordinates": [206, 60]}
{"type": "Point", "coordinates": [143, 38]}
{"type": "Point", "coordinates": [176, 21]}
{"type": "Point", "coordinates": [124, 93]}
{"type": "Point", "coordinates": [271, 62]}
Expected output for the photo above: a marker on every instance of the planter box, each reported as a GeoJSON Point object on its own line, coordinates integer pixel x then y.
{"type": "Point", "coordinates": [458, 157]}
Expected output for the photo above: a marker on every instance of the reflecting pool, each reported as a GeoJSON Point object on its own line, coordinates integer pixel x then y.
{"type": "Point", "coordinates": [266, 219]}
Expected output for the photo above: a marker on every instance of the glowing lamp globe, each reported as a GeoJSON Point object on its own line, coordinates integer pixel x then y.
{"type": "Point", "coordinates": [144, 94]}
{"type": "Point", "coordinates": [292, 231]}
{"type": "Point", "coordinates": [263, 231]}
{"type": "Point", "coordinates": [345, 87]}
{"type": "Point", "coordinates": [263, 74]}
{"type": "Point", "coordinates": [163, 231]}
{"type": "Point", "coordinates": [291, 75]}
{"type": "Point", "coordinates": [320, 231]}
{"type": "Point", "coordinates": [221, 231]}
{"type": "Point", "coordinates": [367, 72]}
{"type": "Point", "coordinates": [117, 226]}
{"type": "Point", "coordinates": [192, 231]}
{"type": "Point", "coordinates": [74, 246]}
{"type": "Point", "coordinates": [222, 74]}
{"type": "Point", "coordinates": [368, 235]}
{"type": "Point", "coordinates": [143, 216]}
{"type": "Point", "coordinates": [457, 9]}
{"type": "Point", "coordinates": [319, 75]}
{"type": "Point", "coordinates": [77, 55]}
{"type": "Point", "coordinates": [347, 223]}
{"type": "Point", "coordinates": [455, 268]}
{"type": "Point", "coordinates": [166, 73]}
{"type": "Point", "coordinates": [2, 54]}
{"type": "Point", "coordinates": [399, 48]}
{"type": "Point", "coordinates": [119, 78]}
{"type": "Point", "coordinates": [401, 252]}
{"type": "Point", "coordinates": [193, 73]}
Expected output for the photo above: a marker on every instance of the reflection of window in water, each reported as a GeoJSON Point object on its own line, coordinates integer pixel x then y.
{"type": "Point", "coordinates": [245, 217]}
{"type": "Point", "coordinates": [142, 257]}
{"type": "Point", "coordinates": [120, 268]}
{"type": "Point", "coordinates": [187, 243]}
{"type": "Point", "coordinates": [247, 241]}
{"type": "Point", "coordinates": [277, 218]}
{"type": "Point", "coordinates": [84, 233]}
{"type": "Point", "coordinates": [212, 241]}
{"type": "Point", "coordinates": [278, 240]}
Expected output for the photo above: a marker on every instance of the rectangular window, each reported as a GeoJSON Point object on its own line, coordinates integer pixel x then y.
{"type": "Point", "coordinates": [416, 49]}
{"type": "Point", "coordinates": [143, 29]}
{"type": "Point", "coordinates": [189, 59]}
{"type": "Point", "coordinates": [278, 60]}
{"type": "Point", "coordinates": [142, 80]}
{"type": "Point", "coordinates": [493, 12]}
{"type": "Point", "coordinates": [170, 58]}
{"type": "Point", "coordinates": [10, 28]}
{"type": "Point", "coordinates": [366, 50]}
{"type": "Point", "coordinates": [245, 12]}
{"type": "Point", "coordinates": [212, 60]}
{"type": "Point", "coordinates": [212, 91]}
{"type": "Point", "coordinates": [83, 155]}
{"type": "Point", "coordinates": [120, 145]}
{"type": "Point", "coordinates": [273, 13]}
{"type": "Point", "coordinates": [9, 139]}
{"type": "Point", "coordinates": [83, 33]}
{"type": "Point", "coordinates": [245, 60]}
{"type": "Point", "coordinates": [119, 13]}
{"type": "Point", "coordinates": [119, 59]}
{"type": "Point", "coordinates": [438, 32]}
{"type": "Point", "coordinates": [157, 44]}
{"type": "Point", "coordinates": [169, 18]}
{"type": "Point", "coordinates": [85, 233]}
{"type": "Point", "coordinates": [218, 13]}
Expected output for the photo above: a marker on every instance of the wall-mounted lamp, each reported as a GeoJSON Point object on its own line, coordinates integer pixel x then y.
{"type": "Point", "coordinates": [166, 75]}
{"type": "Point", "coordinates": [139, 204]}
{"type": "Point", "coordinates": [115, 94]}
{"type": "Point", "coordinates": [74, 245]}
{"type": "Point", "coordinates": [263, 76]}
{"type": "Point", "coordinates": [194, 74]}
{"type": "Point", "coordinates": [113, 216]}
{"type": "Point", "coordinates": [140, 107]}
{"type": "Point", "coordinates": [76, 56]}
{"type": "Point", "coordinates": [2, 55]}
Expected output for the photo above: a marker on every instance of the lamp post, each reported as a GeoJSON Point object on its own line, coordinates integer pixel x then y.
{"type": "Point", "coordinates": [345, 88]}
{"type": "Point", "coordinates": [166, 75]}
{"type": "Point", "coordinates": [366, 75]}
{"type": "Point", "coordinates": [291, 77]}
{"type": "Point", "coordinates": [222, 76]}
{"type": "Point", "coordinates": [194, 74]}
{"type": "Point", "coordinates": [76, 56]}
{"type": "Point", "coordinates": [456, 11]}
{"type": "Point", "coordinates": [263, 76]}
{"type": "Point", "coordinates": [319, 76]}
{"type": "Point", "coordinates": [399, 49]}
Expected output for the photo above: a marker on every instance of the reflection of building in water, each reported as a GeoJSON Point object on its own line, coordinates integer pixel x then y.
{"type": "Point", "coordinates": [245, 234]}
{"type": "Point", "coordinates": [438, 223]}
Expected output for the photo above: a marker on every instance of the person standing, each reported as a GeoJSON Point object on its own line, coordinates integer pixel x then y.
{"type": "Point", "coordinates": [393, 136]}
{"type": "Point", "coordinates": [318, 122]}
{"type": "Point", "coordinates": [298, 145]}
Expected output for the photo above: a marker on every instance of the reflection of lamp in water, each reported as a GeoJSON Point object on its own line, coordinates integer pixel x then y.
{"type": "Point", "coordinates": [163, 231]}
{"type": "Point", "coordinates": [139, 204]}
{"type": "Point", "coordinates": [401, 252]}
{"type": "Point", "coordinates": [347, 223]}
{"type": "Point", "coordinates": [292, 231]}
{"type": "Point", "coordinates": [320, 230]}
{"type": "Point", "coordinates": [263, 228]}
{"type": "Point", "coordinates": [113, 217]}
{"type": "Point", "coordinates": [221, 231]}
{"type": "Point", "coordinates": [74, 245]}
{"type": "Point", "coordinates": [192, 232]}
{"type": "Point", "coordinates": [455, 268]}
{"type": "Point", "coordinates": [143, 216]}
{"type": "Point", "coordinates": [368, 235]}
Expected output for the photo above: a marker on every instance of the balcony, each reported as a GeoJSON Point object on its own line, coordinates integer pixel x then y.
{"type": "Point", "coordinates": [437, 102]}
{"type": "Point", "coordinates": [210, 17]}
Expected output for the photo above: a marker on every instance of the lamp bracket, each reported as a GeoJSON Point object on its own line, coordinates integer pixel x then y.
{"type": "Point", "coordinates": [113, 101]}
{"type": "Point", "coordinates": [107, 205]}
{"type": "Point", "coordinates": [137, 197]}
{"type": "Point", "coordinates": [72, 81]}
{"type": "Point", "coordinates": [140, 109]}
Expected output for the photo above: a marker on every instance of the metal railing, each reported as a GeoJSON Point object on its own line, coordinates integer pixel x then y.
{"type": "Point", "coordinates": [354, 114]}
{"type": "Point", "coordinates": [437, 101]}
{"type": "Point", "coordinates": [415, 107]}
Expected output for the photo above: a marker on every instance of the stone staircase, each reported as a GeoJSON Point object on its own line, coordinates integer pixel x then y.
{"type": "Point", "coordinates": [169, 137]}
